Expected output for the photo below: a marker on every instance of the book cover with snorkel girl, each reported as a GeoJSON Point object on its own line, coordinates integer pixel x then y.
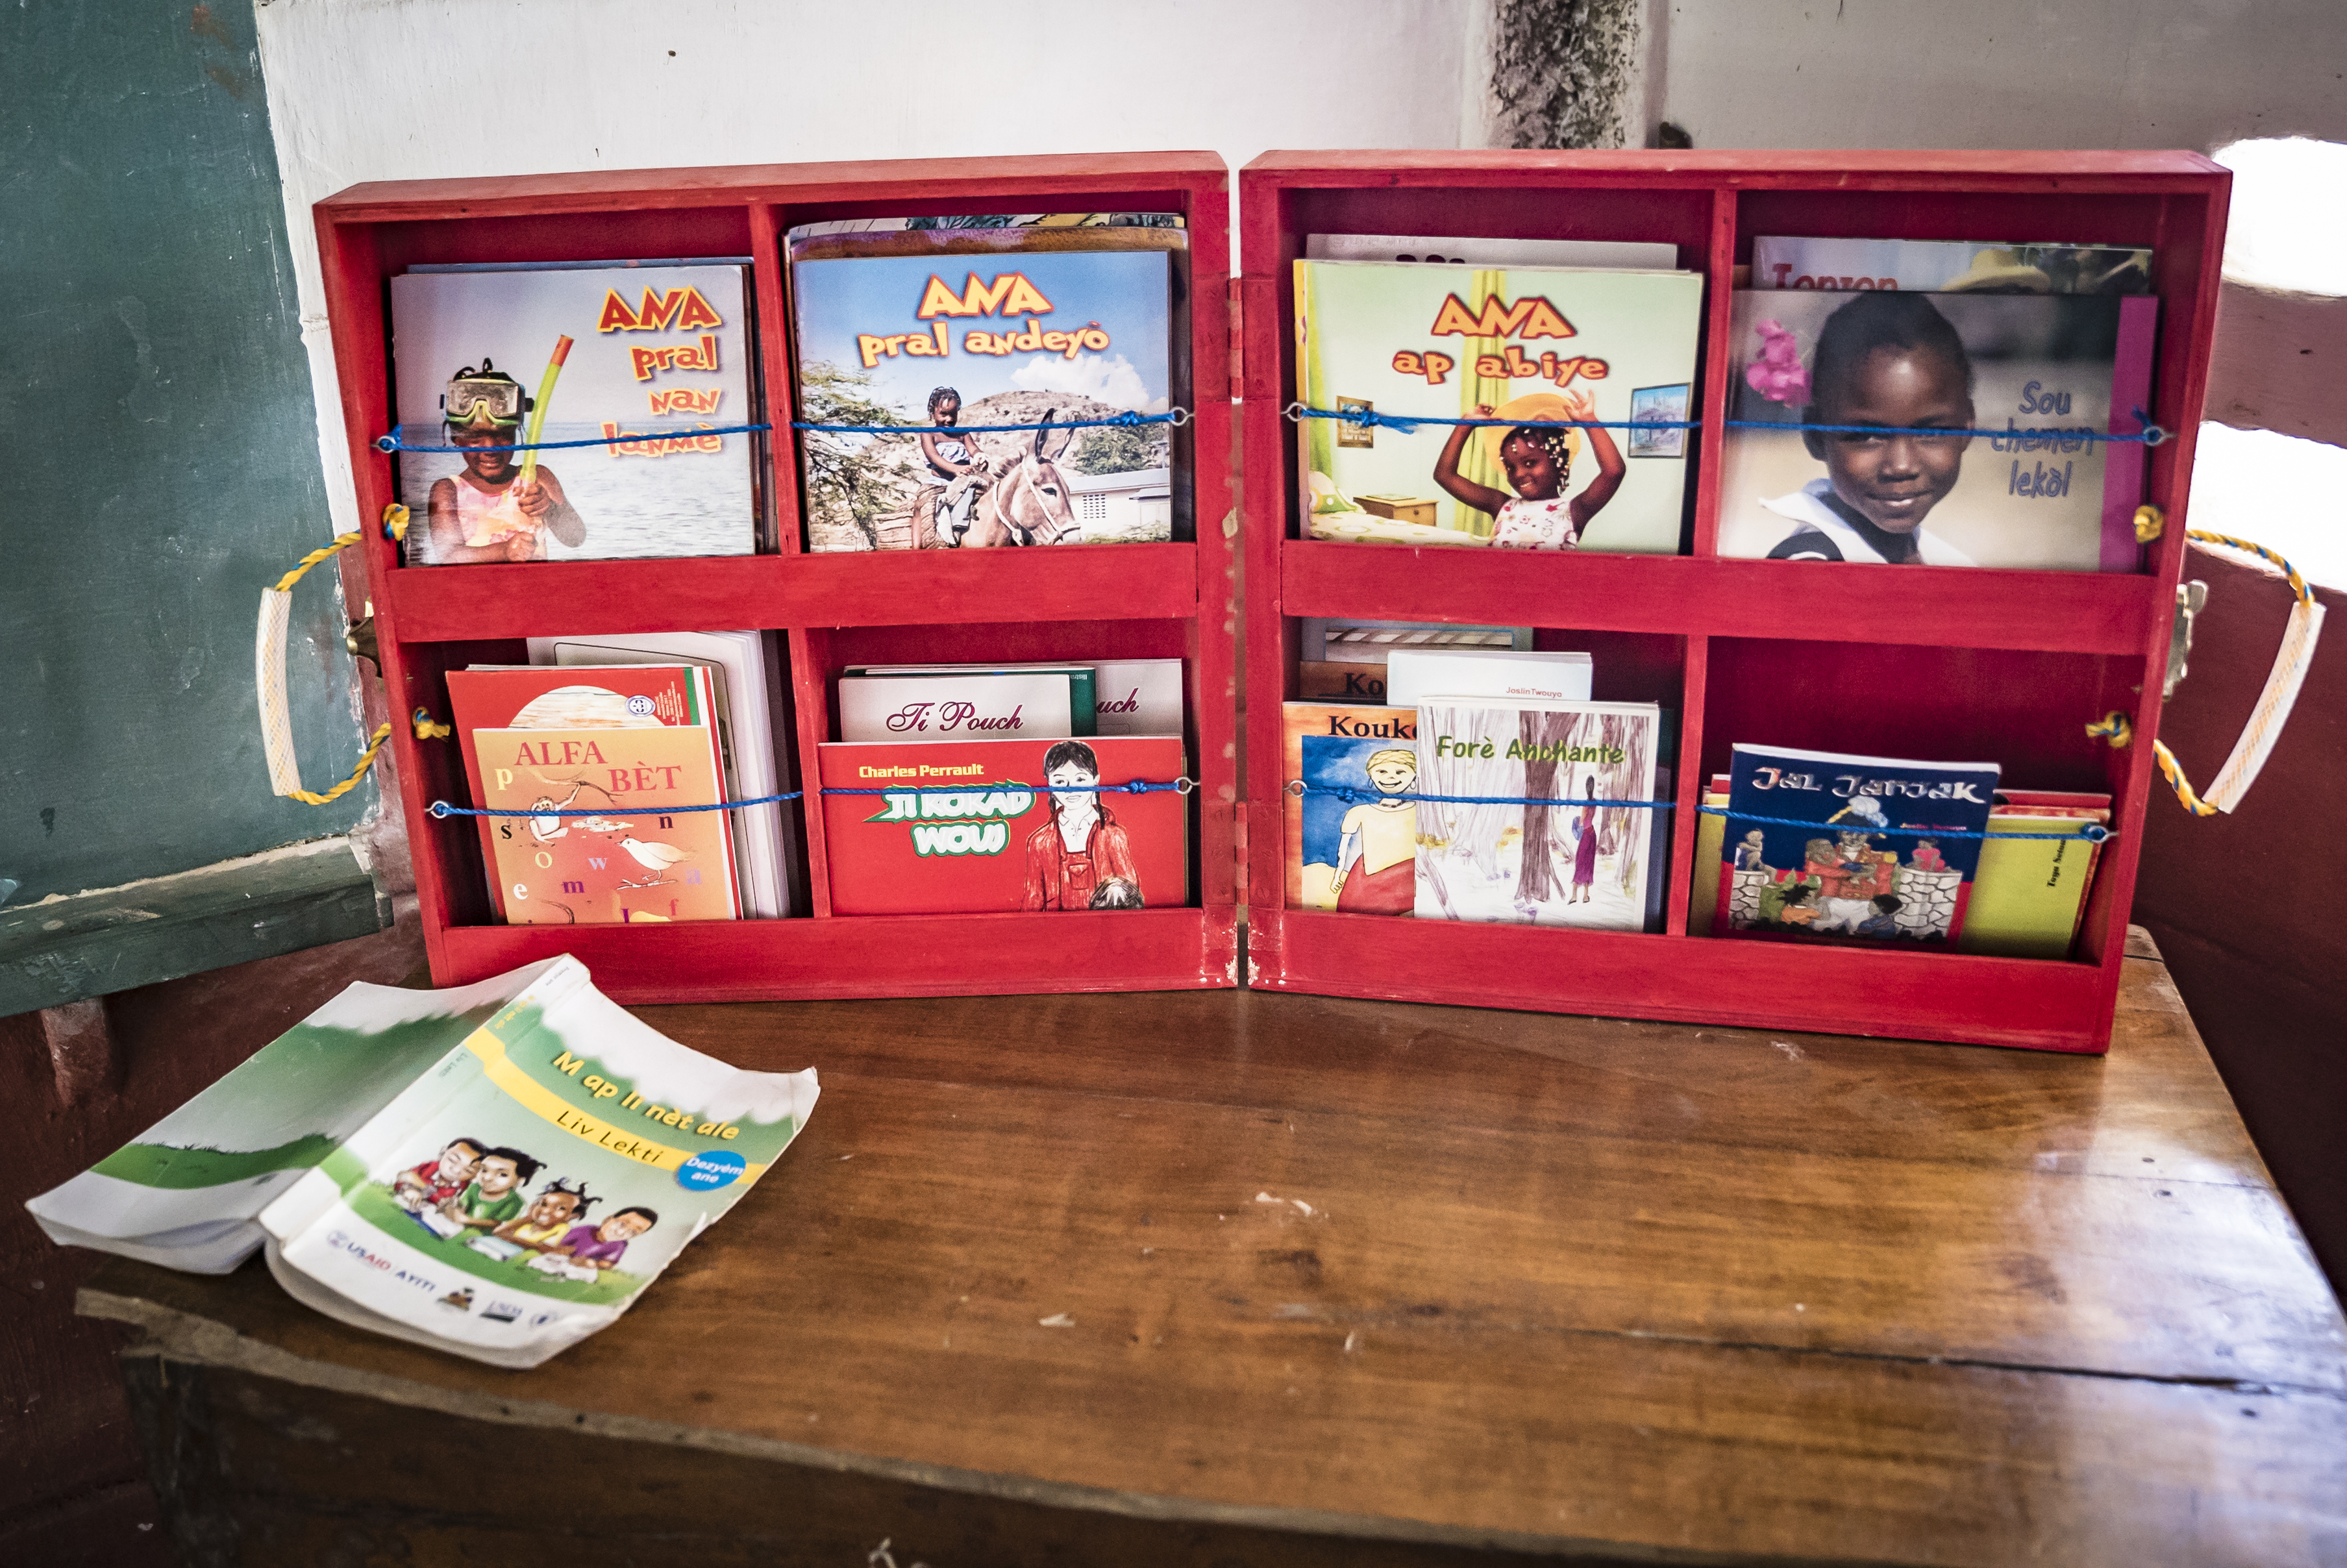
{"type": "Point", "coordinates": [649, 366]}
{"type": "Point", "coordinates": [1532, 350]}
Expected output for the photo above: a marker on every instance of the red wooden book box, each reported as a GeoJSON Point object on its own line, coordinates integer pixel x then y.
{"type": "Point", "coordinates": [1091, 602]}
{"type": "Point", "coordinates": [1929, 662]}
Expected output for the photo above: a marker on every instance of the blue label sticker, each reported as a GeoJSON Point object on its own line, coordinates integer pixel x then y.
{"type": "Point", "coordinates": [717, 1168]}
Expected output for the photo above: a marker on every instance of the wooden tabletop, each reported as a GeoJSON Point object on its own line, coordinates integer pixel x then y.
{"type": "Point", "coordinates": [1411, 1275]}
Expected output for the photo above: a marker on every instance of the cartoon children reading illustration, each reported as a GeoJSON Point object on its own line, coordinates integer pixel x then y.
{"type": "Point", "coordinates": [559, 1204]}
{"type": "Point", "coordinates": [603, 1246]}
{"type": "Point", "coordinates": [1538, 462]}
{"type": "Point", "coordinates": [1080, 845]}
{"type": "Point", "coordinates": [1891, 361]}
{"type": "Point", "coordinates": [435, 1183]}
{"type": "Point", "coordinates": [487, 513]}
{"type": "Point", "coordinates": [1380, 838]}
{"type": "Point", "coordinates": [964, 469]}
{"type": "Point", "coordinates": [493, 1195]}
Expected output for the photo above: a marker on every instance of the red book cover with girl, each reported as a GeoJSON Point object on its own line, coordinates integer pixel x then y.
{"type": "Point", "coordinates": [989, 826]}
{"type": "Point", "coordinates": [628, 744]}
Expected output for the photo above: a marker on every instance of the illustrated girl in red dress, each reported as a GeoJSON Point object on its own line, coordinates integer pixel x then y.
{"type": "Point", "coordinates": [1081, 846]}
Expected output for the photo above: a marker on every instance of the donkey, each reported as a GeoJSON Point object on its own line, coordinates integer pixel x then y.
{"type": "Point", "coordinates": [1026, 506]}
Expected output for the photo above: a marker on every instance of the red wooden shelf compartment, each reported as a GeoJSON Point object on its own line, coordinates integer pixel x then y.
{"type": "Point", "coordinates": [1957, 665]}
{"type": "Point", "coordinates": [1097, 601]}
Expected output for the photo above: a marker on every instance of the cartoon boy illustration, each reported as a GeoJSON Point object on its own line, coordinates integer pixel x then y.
{"type": "Point", "coordinates": [560, 1203]}
{"type": "Point", "coordinates": [1889, 360]}
{"type": "Point", "coordinates": [493, 1195]}
{"type": "Point", "coordinates": [1080, 846]}
{"type": "Point", "coordinates": [603, 1246]}
{"type": "Point", "coordinates": [1381, 837]}
{"type": "Point", "coordinates": [433, 1183]}
{"type": "Point", "coordinates": [485, 514]}
{"type": "Point", "coordinates": [965, 469]}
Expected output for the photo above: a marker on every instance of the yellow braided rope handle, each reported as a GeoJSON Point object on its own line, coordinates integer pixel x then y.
{"type": "Point", "coordinates": [2274, 704]}
{"type": "Point", "coordinates": [269, 678]}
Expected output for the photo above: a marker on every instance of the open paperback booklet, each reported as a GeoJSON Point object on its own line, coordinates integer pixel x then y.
{"type": "Point", "coordinates": [496, 1170]}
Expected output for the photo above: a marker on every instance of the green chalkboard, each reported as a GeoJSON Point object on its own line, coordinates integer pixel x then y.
{"type": "Point", "coordinates": [161, 453]}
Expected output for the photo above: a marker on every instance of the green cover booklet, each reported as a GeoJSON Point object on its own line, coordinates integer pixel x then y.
{"type": "Point", "coordinates": [496, 1170]}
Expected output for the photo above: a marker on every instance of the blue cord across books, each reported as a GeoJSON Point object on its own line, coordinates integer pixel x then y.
{"type": "Point", "coordinates": [2092, 832]}
{"type": "Point", "coordinates": [1183, 786]}
{"type": "Point", "coordinates": [1177, 417]}
{"type": "Point", "coordinates": [2150, 435]}
{"type": "Point", "coordinates": [393, 442]}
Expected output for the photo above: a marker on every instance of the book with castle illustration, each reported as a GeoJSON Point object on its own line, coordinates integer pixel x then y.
{"type": "Point", "coordinates": [495, 1170]}
{"type": "Point", "coordinates": [1829, 846]}
{"type": "Point", "coordinates": [2057, 373]}
{"type": "Point", "coordinates": [1507, 343]}
{"type": "Point", "coordinates": [1498, 859]}
{"type": "Point", "coordinates": [630, 743]}
{"type": "Point", "coordinates": [1019, 325]}
{"type": "Point", "coordinates": [643, 363]}
{"type": "Point", "coordinates": [978, 826]}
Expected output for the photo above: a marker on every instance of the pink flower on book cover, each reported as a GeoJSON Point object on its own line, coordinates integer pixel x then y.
{"type": "Point", "coordinates": [1776, 374]}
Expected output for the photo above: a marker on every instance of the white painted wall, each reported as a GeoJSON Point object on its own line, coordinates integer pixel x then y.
{"type": "Point", "coordinates": [2192, 74]}
{"type": "Point", "coordinates": [394, 89]}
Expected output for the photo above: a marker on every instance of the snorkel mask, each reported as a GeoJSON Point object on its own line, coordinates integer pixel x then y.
{"type": "Point", "coordinates": [483, 399]}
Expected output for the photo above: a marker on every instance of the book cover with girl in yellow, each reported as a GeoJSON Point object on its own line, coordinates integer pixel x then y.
{"type": "Point", "coordinates": [1529, 348]}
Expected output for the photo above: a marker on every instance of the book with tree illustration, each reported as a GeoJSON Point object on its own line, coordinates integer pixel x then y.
{"type": "Point", "coordinates": [990, 331]}
{"type": "Point", "coordinates": [496, 1170]}
{"type": "Point", "coordinates": [1500, 860]}
{"type": "Point", "coordinates": [1496, 342]}
{"type": "Point", "coordinates": [641, 362]}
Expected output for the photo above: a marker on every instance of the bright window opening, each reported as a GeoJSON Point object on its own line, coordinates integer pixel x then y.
{"type": "Point", "coordinates": [2288, 494]}
{"type": "Point", "coordinates": [2288, 229]}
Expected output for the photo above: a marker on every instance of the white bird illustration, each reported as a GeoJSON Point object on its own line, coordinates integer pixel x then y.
{"type": "Point", "coordinates": [654, 855]}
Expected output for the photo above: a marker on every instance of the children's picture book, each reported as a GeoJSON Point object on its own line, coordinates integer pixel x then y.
{"type": "Point", "coordinates": [2030, 893]}
{"type": "Point", "coordinates": [2059, 373]}
{"type": "Point", "coordinates": [966, 233]}
{"type": "Point", "coordinates": [495, 1170]}
{"type": "Point", "coordinates": [1492, 342]}
{"type": "Point", "coordinates": [1472, 251]}
{"type": "Point", "coordinates": [1140, 696]}
{"type": "Point", "coordinates": [974, 827]}
{"type": "Point", "coordinates": [1497, 860]}
{"type": "Point", "coordinates": [1358, 852]}
{"type": "Point", "coordinates": [1414, 675]}
{"type": "Point", "coordinates": [1829, 846]}
{"type": "Point", "coordinates": [631, 745]}
{"type": "Point", "coordinates": [1343, 640]}
{"type": "Point", "coordinates": [742, 669]}
{"type": "Point", "coordinates": [642, 362]}
{"type": "Point", "coordinates": [1017, 335]}
{"type": "Point", "coordinates": [1948, 266]}
{"type": "Point", "coordinates": [886, 706]}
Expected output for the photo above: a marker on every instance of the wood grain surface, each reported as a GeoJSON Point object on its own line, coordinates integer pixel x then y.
{"type": "Point", "coordinates": [1342, 1278]}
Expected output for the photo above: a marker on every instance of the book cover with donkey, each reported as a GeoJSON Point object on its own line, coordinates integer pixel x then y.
{"type": "Point", "coordinates": [944, 343]}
